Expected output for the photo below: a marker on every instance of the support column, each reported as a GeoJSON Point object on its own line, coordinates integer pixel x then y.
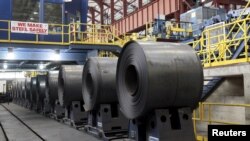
{"type": "Point", "coordinates": [139, 4]}
{"type": "Point", "coordinates": [84, 11]}
{"type": "Point", "coordinates": [112, 9]}
{"type": "Point", "coordinates": [101, 12]}
{"type": "Point", "coordinates": [125, 8]}
{"type": "Point", "coordinates": [41, 11]}
{"type": "Point", "coordinates": [63, 14]}
{"type": "Point", "coordinates": [92, 12]}
{"type": "Point", "coordinates": [247, 95]}
{"type": "Point", "coordinates": [41, 17]}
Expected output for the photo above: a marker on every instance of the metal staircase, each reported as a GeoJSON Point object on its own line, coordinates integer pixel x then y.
{"type": "Point", "coordinates": [209, 86]}
{"type": "Point", "coordinates": [213, 83]}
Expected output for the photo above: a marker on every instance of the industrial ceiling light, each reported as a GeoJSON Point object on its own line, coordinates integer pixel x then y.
{"type": "Point", "coordinates": [41, 66]}
{"type": "Point", "coordinates": [67, 0]}
{"type": "Point", "coordinates": [57, 55]}
{"type": "Point", "coordinates": [10, 54]}
{"type": "Point", "coordinates": [5, 66]}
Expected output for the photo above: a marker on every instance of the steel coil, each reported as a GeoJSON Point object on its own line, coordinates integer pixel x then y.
{"type": "Point", "coordinates": [99, 82]}
{"type": "Point", "coordinates": [33, 91]}
{"type": "Point", "coordinates": [17, 89]}
{"type": "Point", "coordinates": [27, 88]}
{"type": "Point", "coordinates": [154, 75]}
{"type": "Point", "coordinates": [41, 87]}
{"type": "Point", "coordinates": [13, 88]}
{"type": "Point", "coordinates": [22, 90]}
{"type": "Point", "coordinates": [70, 84]}
{"type": "Point", "coordinates": [52, 92]}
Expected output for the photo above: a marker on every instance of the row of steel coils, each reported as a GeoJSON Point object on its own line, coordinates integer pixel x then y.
{"type": "Point", "coordinates": [146, 76]}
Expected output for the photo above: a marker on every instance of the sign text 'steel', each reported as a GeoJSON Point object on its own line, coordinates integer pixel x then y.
{"type": "Point", "coordinates": [29, 27]}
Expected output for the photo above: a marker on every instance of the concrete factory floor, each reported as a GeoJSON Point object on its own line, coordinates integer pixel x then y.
{"type": "Point", "coordinates": [48, 129]}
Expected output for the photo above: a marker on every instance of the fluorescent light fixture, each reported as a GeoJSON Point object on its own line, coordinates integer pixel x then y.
{"type": "Point", "coordinates": [5, 66]}
{"type": "Point", "coordinates": [193, 15]}
{"type": "Point", "coordinates": [35, 13]}
{"type": "Point", "coordinates": [67, 0]}
{"type": "Point", "coordinates": [41, 66]}
{"type": "Point", "coordinates": [31, 18]}
{"type": "Point", "coordinates": [10, 54]}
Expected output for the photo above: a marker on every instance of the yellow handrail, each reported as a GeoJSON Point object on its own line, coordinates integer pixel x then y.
{"type": "Point", "coordinates": [206, 107]}
{"type": "Point", "coordinates": [216, 50]}
{"type": "Point", "coordinates": [66, 34]}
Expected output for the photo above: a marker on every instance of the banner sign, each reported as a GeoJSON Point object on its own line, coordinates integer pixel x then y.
{"type": "Point", "coordinates": [29, 27]}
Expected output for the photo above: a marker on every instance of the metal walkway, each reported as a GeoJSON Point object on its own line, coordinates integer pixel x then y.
{"type": "Point", "coordinates": [64, 35]}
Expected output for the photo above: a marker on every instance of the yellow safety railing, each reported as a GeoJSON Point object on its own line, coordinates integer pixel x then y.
{"type": "Point", "coordinates": [103, 53]}
{"type": "Point", "coordinates": [56, 32]}
{"type": "Point", "coordinates": [60, 34]}
{"type": "Point", "coordinates": [218, 42]}
{"type": "Point", "coordinates": [204, 114]}
{"type": "Point", "coordinates": [94, 34]}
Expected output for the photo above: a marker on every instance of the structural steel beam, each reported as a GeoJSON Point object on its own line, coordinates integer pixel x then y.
{"type": "Point", "coordinates": [137, 20]}
{"type": "Point", "coordinates": [112, 10]}
{"type": "Point", "coordinates": [139, 4]}
{"type": "Point", "coordinates": [125, 8]}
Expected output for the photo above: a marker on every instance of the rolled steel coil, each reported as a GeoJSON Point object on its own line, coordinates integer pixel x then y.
{"type": "Point", "coordinates": [70, 84]}
{"type": "Point", "coordinates": [41, 87]}
{"type": "Point", "coordinates": [33, 91]}
{"type": "Point", "coordinates": [17, 89]}
{"type": "Point", "coordinates": [13, 89]}
{"type": "Point", "coordinates": [52, 92]}
{"type": "Point", "coordinates": [99, 82]}
{"type": "Point", "coordinates": [27, 88]}
{"type": "Point", "coordinates": [154, 75]}
{"type": "Point", "coordinates": [22, 89]}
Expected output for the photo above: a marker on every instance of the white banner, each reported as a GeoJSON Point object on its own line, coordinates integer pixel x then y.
{"type": "Point", "coordinates": [29, 27]}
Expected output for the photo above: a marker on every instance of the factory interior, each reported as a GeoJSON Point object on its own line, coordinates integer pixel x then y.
{"type": "Point", "coordinates": [123, 70]}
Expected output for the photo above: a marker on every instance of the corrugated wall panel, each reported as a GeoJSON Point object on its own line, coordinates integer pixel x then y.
{"type": "Point", "coordinates": [156, 10]}
{"type": "Point", "coordinates": [145, 15]}
{"type": "Point", "coordinates": [150, 12]}
{"type": "Point", "coordinates": [140, 17]}
{"type": "Point", "coordinates": [167, 6]}
{"type": "Point", "coordinates": [161, 7]}
{"type": "Point", "coordinates": [135, 20]}
{"type": "Point", "coordinates": [131, 23]}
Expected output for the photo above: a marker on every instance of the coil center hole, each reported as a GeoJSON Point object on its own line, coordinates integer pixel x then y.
{"type": "Point", "coordinates": [131, 80]}
{"type": "Point", "coordinates": [89, 84]}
